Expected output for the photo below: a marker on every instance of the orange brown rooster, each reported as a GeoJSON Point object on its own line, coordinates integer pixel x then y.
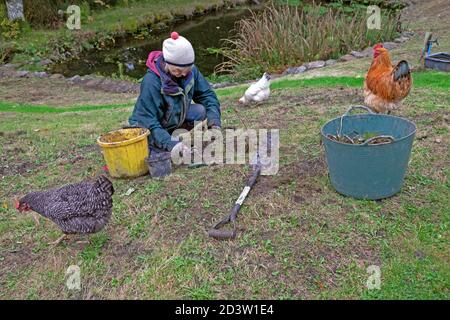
{"type": "Point", "coordinates": [386, 85]}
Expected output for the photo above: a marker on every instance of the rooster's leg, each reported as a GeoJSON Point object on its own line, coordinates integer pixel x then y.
{"type": "Point", "coordinates": [55, 243]}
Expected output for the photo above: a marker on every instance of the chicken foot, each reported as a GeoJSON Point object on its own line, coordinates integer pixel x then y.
{"type": "Point", "coordinates": [36, 219]}
{"type": "Point", "coordinates": [66, 237]}
{"type": "Point", "coordinates": [58, 241]}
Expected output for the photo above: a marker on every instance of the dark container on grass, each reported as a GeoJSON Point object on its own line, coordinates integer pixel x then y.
{"type": "Point", "coordinates": [159, 164]}
{"type": "Point", "coordinates": [439, 61]}
{"type": "Point", "coordinates": [368, 171]}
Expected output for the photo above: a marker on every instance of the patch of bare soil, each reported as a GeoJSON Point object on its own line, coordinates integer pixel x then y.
{"type": "Point", "coordinates": [426, 11]}
{"type": "Point", "coordinates": [14, 259]}
{"type": "Point", "coordinates": [330, 96]}
{"type": "Point", "coordinates": [55, 92]}
{"type": "Point", "coordinates": [299, 172]}
{"type": "Point", "coordinates": [13, 160]}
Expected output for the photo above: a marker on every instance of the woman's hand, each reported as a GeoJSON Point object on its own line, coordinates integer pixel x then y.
{"type": "Point", "coordinates": [180, 147]}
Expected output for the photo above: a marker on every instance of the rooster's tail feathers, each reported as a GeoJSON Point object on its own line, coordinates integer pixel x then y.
{"type": "Point", "coordinates": [401, 70]}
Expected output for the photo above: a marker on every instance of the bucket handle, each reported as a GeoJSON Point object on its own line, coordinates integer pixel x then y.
{"type": "Point", "coordinates": [132, 127]}
{"type": "Point", "coordinates": [350, 109]}
{"type": "Point", "coordinates": [377, 137]}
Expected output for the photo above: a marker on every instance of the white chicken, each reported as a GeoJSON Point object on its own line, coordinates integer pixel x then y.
{"type": "Point", "coordinates": [258, 91]}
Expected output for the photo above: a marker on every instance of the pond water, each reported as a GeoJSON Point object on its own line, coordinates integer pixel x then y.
{"type": "Point", "coordinates": [203, 32]}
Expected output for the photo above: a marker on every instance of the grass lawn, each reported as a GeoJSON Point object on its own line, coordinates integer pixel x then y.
{"type": "Point", "coordinates": [298, 238]}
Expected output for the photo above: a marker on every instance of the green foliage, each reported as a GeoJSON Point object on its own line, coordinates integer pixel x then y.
{"type": "Point", "coordinates": [214, 51]}
{"type": "Point", "coordinates": [3, 13]}
{"type": "Point", "coordinates": [9, 29]}
{"type": "Point", "coordinates": [283, 36]}
{"type": "Point", "coordinates": [364, 3]}
{"type": "Point", "coordinates": [44, 13]}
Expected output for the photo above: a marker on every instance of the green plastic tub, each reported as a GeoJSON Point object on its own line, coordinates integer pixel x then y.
{"type": "Point", "coordinates": [367, 171]}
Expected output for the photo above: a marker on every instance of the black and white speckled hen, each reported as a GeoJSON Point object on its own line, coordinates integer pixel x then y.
{"type": "Point", "coordinates": [80, 208]}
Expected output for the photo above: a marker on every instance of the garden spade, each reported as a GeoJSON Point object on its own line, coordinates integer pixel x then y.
{"type": "Point", "coordinates": [221, 234]}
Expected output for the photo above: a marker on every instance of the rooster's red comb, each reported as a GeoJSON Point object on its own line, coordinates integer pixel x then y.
{"type": "Point", "coordinates": [377, 46]}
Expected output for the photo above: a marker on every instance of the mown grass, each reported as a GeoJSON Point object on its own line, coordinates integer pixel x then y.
{"type": "Point", "coordinates": [424, 79]}
{"type": "Point", "coordinates": [28, 108]}
{"type": "Point", "coordinates": [297, 238]}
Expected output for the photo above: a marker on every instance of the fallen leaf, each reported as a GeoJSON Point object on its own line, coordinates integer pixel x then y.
{"type": "Point", "coordinates": [129, 191]}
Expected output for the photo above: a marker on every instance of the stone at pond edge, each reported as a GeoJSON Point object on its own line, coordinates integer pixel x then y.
{"type": "Point", "coordinates": [330, 62]}
{"type": "Point", "coordinates": [41, 74]}
{"type": "Point", "coordinates": [220, 85]}
{"type": "Point", "coordinates": [401, 39]}
{"type": "Point", "coordinates": [347, 57]}
{"type": "Point", "coordinates": [367, 52]}
{"type": "Point", "coordinates": [22, 73]}
{"type": "Point", "coordinates": [295, 70]}
{"type": "Point", "coordinates": [389, 45]}
{"type": "Point", "coordinates": [75, 79]}
{"type": "Point", "coordinates": [408, 34]}
{"type": "Point", "coordinates": [56, 76]}
{"type": "Point", "coordinates": [45, 62]}
{"type": "Point", "coordinates": [315, 64]}
{"type": "Point", "coordinates": [93, 83]}
{"type": "Point", "coordinates": [357, 54]}
{"type": "Point", "coordinates": [11, 65]}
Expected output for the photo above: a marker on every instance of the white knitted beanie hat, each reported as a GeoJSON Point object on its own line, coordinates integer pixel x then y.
{"type": "Point", "coordinates": [178, 51]}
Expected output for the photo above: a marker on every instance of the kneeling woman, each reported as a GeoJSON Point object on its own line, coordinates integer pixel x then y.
{"type": "Point", "coordinates": [170, 85]}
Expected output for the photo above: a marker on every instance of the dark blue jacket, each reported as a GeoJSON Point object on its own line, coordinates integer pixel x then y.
{"type": "Point", "coordinates": [163, 112]}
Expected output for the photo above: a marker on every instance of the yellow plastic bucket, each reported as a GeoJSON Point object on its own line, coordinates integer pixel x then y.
{"type": "Point", "coordinates": [125, 151]}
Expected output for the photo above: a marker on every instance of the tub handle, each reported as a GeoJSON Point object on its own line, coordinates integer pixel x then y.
{"type": "Point", "coordinates": [365, 143]}
{"type": "Point", "coordinates": [350, 109]}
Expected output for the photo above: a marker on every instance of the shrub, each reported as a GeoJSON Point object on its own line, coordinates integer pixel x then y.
{"type": "Point", "coordinates": [9, 29]}
{"type": "Point", "coordinates": [3, 13]}
{"type": "Point", "coordinates": [283, 36]}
